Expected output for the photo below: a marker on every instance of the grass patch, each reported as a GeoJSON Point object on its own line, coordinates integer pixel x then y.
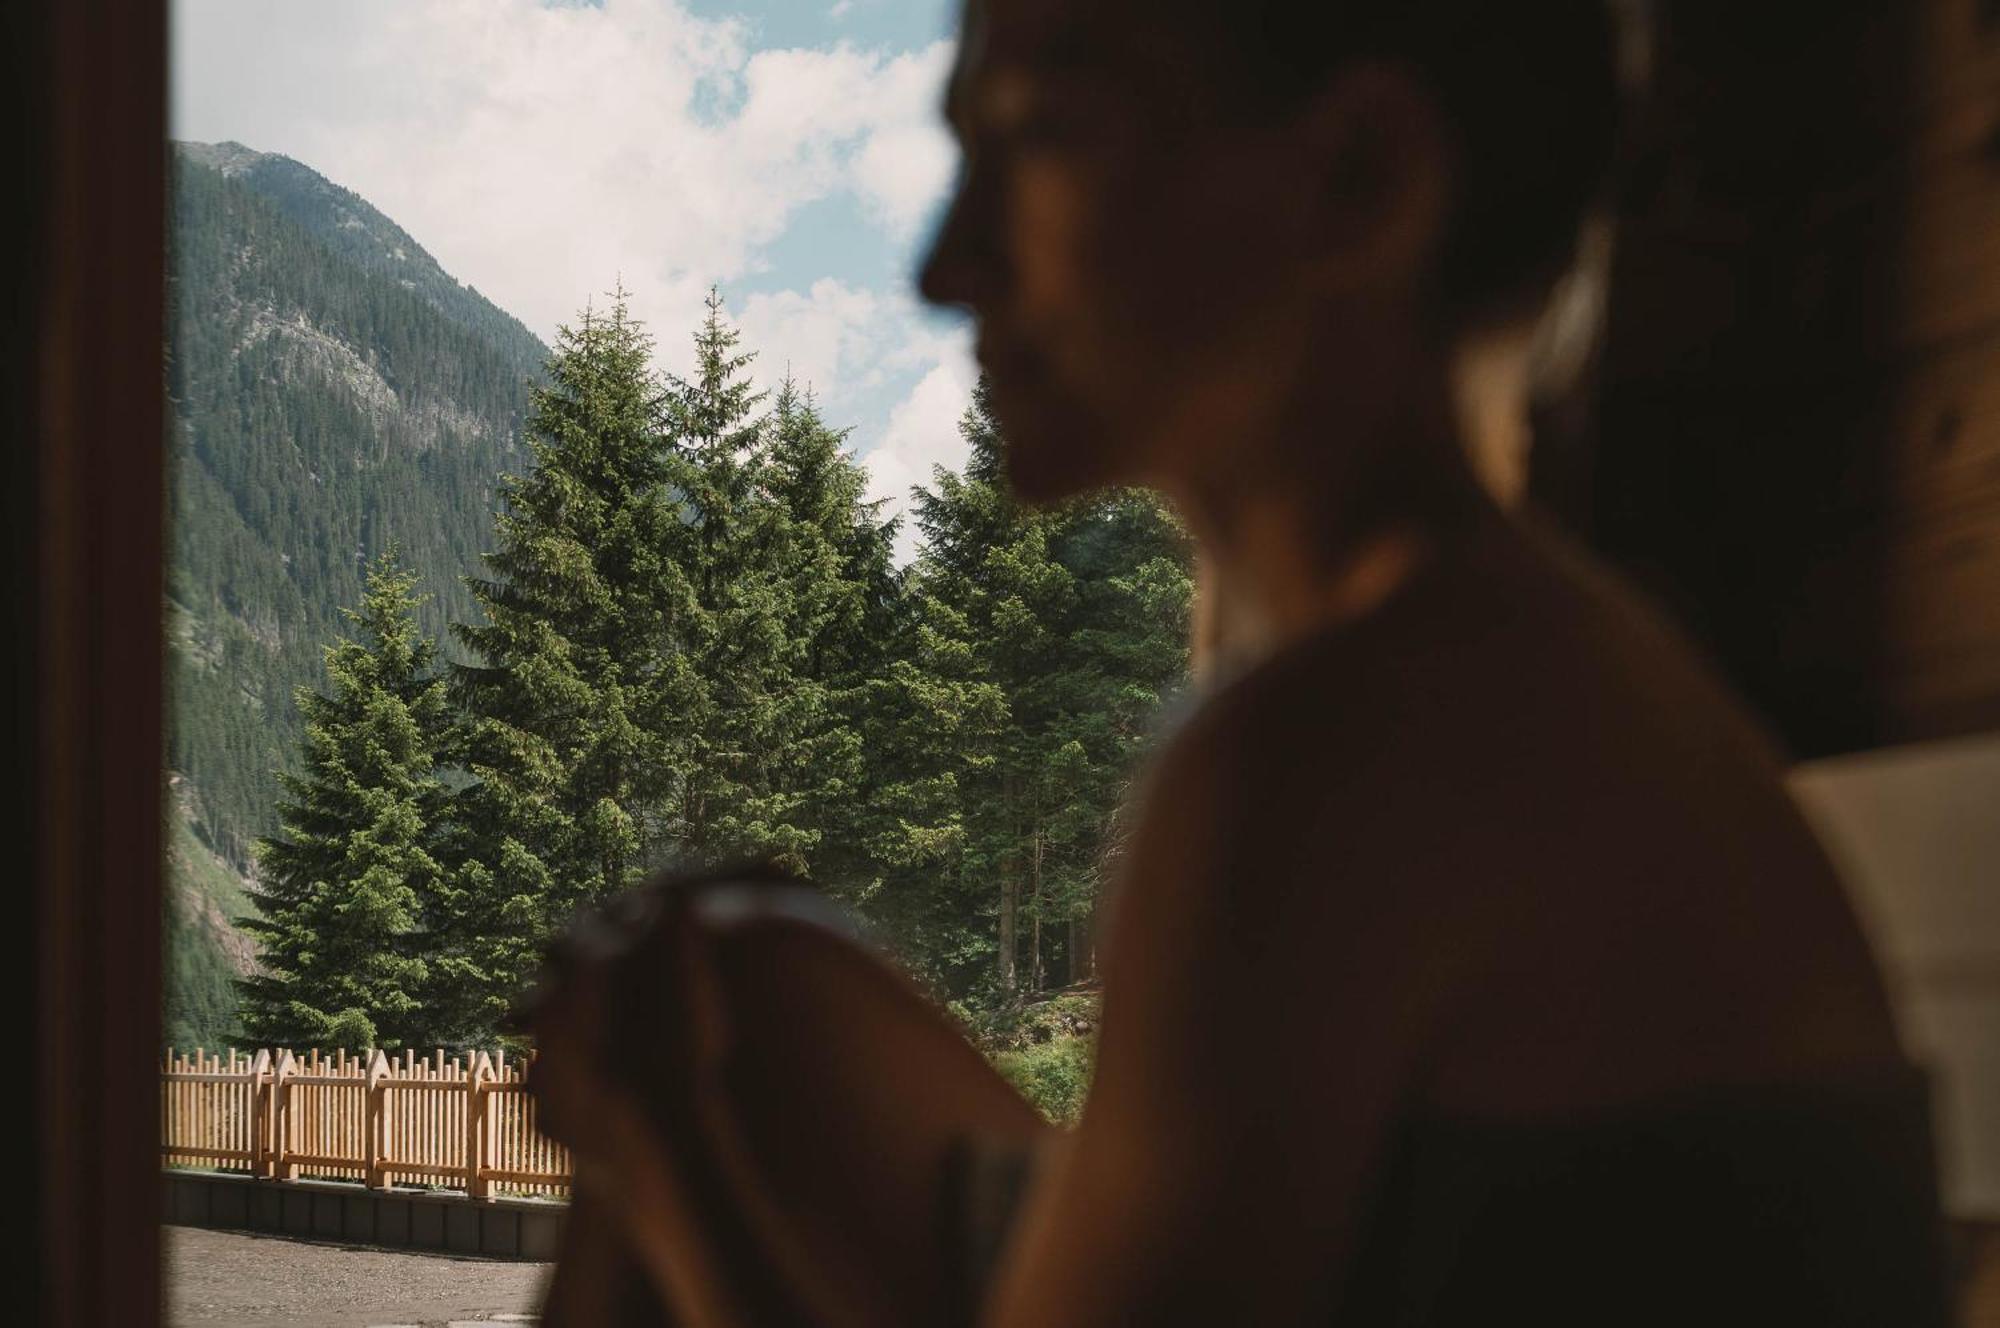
{"type": "Point", "coordinates": [1047, 1049]}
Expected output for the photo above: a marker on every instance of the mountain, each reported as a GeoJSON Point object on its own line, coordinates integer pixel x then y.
{"type": "Point", "coordinates": [355, 233]}
{"type": "Point", "coordinates": [332, 390]}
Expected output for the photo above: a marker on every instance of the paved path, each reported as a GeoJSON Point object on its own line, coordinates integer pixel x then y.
{"type": "Point", "coordinates": [260, 1281]}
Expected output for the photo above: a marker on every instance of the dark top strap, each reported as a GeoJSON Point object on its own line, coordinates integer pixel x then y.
{"type": "Point", "coordinates": [1807, 1205]}
{"type": "Point", "coordinates": [1784, 1205]}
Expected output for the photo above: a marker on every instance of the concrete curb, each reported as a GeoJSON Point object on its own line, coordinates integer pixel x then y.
{"type": "Point", "coordinates": [529, 1229]}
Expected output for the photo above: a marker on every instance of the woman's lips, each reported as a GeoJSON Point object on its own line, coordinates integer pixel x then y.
{"type": "Point", "coordinates": [1005, 356]}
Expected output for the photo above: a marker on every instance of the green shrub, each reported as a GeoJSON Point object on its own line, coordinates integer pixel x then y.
{"type": "Point", "coordinates": [1045, 1018]}
{"type": "Point", "coordinates": [1054, 1076]}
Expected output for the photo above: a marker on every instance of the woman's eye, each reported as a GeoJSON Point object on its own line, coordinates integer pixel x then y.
{"type": "Point", "coordinates": [1051, 128]}
{"type": "Point", "coordinates": [1038, 131]}
{"type": "Point", "coordinates": [1020, 115]}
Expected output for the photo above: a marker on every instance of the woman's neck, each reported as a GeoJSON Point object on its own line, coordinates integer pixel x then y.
{"type": "Point", "coordinates": [1311, 530]}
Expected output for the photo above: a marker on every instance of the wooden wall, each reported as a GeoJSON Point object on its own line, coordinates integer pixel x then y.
{"type": "Point", "coordinates": [1796, 437]}
{"type": "Point", "coordinates": [83, 407]}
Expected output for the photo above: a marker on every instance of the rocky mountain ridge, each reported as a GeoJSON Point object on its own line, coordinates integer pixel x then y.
{"type": "Point", "coordinates": [332, 391]}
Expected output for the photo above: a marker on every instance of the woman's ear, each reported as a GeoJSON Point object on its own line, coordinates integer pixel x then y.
{"type": "Point", "coordinates": [1383, 164]}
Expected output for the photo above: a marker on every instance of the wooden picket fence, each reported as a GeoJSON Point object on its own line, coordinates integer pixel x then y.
{"type": "Point", "coordinates": [466, 1122]}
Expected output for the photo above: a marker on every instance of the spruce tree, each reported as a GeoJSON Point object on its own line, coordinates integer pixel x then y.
{"type": "Point", "coordinates": [930, 722]}
{"type": "Point", "coordinates": [344, 886]}
{"type": "Point", "coordinates": [950, 716]}
{"type": "Point", "coordinates": [990, 561]}
{"type": "Point", "coordinates": [1059, 633]}
{"type": "Point", "coordinates": [575, 675]}
{"type": "Point", "coordinates": [833, 553]}
{"type": "Point", "coordinates": [735, 738]}
{"type": "Point", "coordinates": [1125, 656]}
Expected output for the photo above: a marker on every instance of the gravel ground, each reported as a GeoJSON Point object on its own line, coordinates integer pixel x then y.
{"type": "Point", "coordinates": [251, 1281]}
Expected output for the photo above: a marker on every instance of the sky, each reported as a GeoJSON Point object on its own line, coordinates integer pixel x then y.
{"type": "Point", "coordinates": [788, 152]}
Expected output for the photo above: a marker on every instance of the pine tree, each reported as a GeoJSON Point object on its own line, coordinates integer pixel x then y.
{"type": "Point", "coordinates": [1125, 656]}
{"type": "Point", "coordinates": [575, 678]}
{"type": "Point", "coordinates": [930, 722]}
{"type": "Point", "coordinates": [345, 885]}
{"type": "Point", "coordinates": [735, 739]}
{"type": "Point", "coordinates": [1057, 633]}
{"type": "Point", "coordinates": [996, 565]}
{"type": "Point", "coordinates": [833, 553]}
{"type": "Point", "coordinates": [951, 727]}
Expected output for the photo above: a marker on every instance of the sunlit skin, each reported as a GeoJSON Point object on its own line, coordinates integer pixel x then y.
{"type": "Point", "coordinates": [1467, 865]}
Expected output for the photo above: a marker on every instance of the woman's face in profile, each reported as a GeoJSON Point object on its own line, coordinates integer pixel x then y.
{"type": "Point", "coordinates": [1128, 248]}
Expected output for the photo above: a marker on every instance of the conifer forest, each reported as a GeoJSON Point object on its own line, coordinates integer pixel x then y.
{"type": "Point", "coordinates": [469, 633]}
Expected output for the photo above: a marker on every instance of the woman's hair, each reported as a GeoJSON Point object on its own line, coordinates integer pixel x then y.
{"type": "Point", "coordinates": [1531, 87]}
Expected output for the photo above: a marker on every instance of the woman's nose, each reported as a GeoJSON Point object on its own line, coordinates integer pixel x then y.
{"type": "Point", "coordinates": [961, 269]}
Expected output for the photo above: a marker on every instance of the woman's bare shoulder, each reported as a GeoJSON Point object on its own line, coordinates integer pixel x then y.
{"type": "Point", "coordinates": [1509, 667]}
{"type": "Point", "coordinates": [1516, 730]}
{"type": "Point", "coordinates": [1520, 769]}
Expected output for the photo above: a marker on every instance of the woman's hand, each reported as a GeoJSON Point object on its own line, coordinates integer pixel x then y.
{"type": "Point", "coordinates": [626, 1168]}
{"type": "Point", "coordinates": [765, 1108]}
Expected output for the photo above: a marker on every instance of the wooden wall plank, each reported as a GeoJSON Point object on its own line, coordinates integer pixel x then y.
{"type": "Point", "coordinates": [86, 88]}
{"type": "Point", "coordinates": [1795, 443]}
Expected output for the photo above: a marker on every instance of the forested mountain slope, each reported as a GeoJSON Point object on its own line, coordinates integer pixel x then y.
{"type": "Point", "coordinates": [332, 391]}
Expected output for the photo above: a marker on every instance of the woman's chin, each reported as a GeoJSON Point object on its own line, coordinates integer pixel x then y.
{"type": "Point", "coordinates": [1044, 471]}
{"type": "Point", "coordinates": [1053, 455]}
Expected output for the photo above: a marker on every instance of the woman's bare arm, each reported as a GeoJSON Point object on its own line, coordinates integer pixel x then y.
{"type": "Point", "coordinates": [824, 1098]}
{"type": "Point", "coordinates": [1281, 955]}
{"type": "Point", "coordinates": [1274, 974]}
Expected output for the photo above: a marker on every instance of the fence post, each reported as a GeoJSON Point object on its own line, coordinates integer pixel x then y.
{"type": "Point", "coordinates": [477, 1073]}
{"type": "Point", "coordinates": [260, 1115]}
{"type": "Point", "coordinates": [281, 1117]}
{"type": "Point", "coordinates": [375, 1124]}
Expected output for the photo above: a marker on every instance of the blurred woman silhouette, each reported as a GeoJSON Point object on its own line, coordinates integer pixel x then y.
{"type": "Point", "coordinates": [1469, 963]}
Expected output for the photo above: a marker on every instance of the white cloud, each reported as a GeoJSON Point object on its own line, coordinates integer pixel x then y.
{"type": "Point", "coordinates": [843, 341]}
{"type": "Point", "coordinates": [855, 348]}
{"type": "Point", "coordinates": [828, 338]}
{"type": "Point", "coordinates": [922, 432]}
{"type": "Point", "coordinates": [904, 166]}
{"type": "Point", "coordinates": [903, 169]}
{"type": "Point", "coordinates": [542, 152]}
{"type": "Point", "coordinates": [858, 116]}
